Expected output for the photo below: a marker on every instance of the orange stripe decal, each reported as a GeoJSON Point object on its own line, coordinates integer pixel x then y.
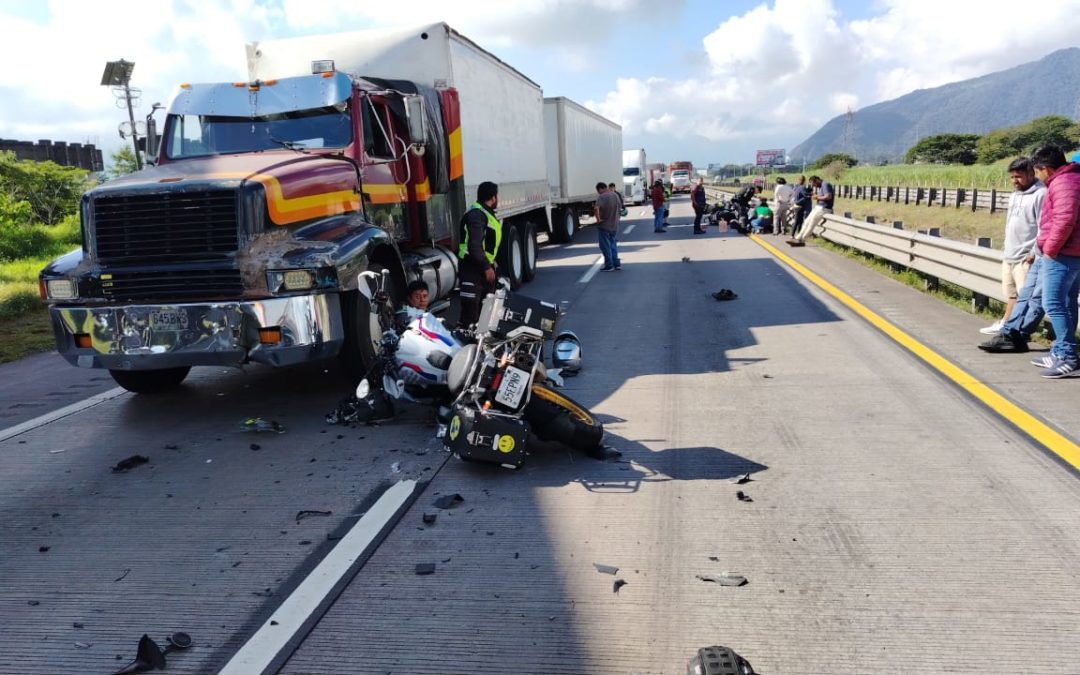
{"type": "Point", "coordinates": [456, 165]}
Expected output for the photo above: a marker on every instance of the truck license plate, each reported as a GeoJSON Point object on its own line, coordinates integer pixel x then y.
{"type": "Point", "coordinates": [512, 387]}
{"type": "Point", "coordinates": [168, 319]}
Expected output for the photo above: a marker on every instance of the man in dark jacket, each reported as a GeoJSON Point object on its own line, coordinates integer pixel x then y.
{"type": "Point", "coordinates": [657, 197]}
{"type": "Point", "coordinates": [697, 200]}
{"type": "Point", "coordinates": [1059, 240]}
{"type": "Point", "coordinates": [481, 235]}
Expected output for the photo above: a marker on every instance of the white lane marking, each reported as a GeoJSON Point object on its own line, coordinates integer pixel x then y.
{"type": "Point", "coordinates": [66, 411]}
{"type": "Point", "coordinates": [264, 646]}
{"type": "Point", "coordinates": [591, 272]}
{"type": "Point", "coordinates": [629, 228]}
{"type": "Point", "coordinates": [642, 212]}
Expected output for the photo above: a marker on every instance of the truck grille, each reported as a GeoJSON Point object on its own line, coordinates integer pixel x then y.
{"type": "Point", "coordinates": [172, 285]}
{"type": "Point", "coordinates": [177, 226]}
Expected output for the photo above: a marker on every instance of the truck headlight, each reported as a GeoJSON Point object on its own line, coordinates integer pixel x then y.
{"type": "Point", "coordinates": [61, 289]}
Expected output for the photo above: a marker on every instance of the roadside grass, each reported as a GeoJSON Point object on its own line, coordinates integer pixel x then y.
{"type": "Point", "coordinates": [957, 224]}
{"type": "Point", "coordinates": [25, 318]}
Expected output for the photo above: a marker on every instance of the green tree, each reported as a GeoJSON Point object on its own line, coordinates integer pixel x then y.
{"type": "Point", "coordinates": [832, 158]}
{"type": "Point", "coordinates": [53, 191]}
{"type": "Point", "coordinates": [944, 149]}
{"type": "Point", "coordinates": [1022, 139]}
{"type": "Point", "coordinates": [122, 162]}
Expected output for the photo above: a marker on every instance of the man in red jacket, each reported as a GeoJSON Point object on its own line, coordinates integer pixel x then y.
{"type": "Point", "coordinates": [657, 196]}
{"type": "Point", "coordinates": [1059, 240]}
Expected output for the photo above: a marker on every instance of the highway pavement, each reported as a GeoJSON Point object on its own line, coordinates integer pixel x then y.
{"type": "Point", "coordinates": [894, 521]}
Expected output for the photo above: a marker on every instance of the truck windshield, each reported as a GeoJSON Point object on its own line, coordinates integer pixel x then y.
{"type": "Point", "coordinates": [202, 135]}
{"type": "Point", "coordinates": [680, 174]}
{"type": "Point", "coordinates": [631, 171]}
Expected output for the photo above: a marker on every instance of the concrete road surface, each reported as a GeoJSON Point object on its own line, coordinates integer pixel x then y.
{"type": "Point", "coordinates": [894, 523]}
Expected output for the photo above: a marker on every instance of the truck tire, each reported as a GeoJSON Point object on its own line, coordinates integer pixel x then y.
{"type": "Point", "coordinates": [150, 381]}
{"type": "Point", "coordinates": [553, 416]}
{"type": "Point", "coordinates": [564, 223]}
{"type": "Point", "coordinates": [528, 242]}
{"type": "Point", "coordinates": [512, 264]}
{"type": "Point", "coordinates": [363, 330]}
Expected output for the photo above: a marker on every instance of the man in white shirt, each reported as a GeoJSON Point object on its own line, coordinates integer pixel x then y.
{"type": "Point", "coordinates": [783, 195]}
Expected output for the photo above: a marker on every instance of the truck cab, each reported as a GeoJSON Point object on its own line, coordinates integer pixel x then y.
{"type": "Point", "coordinates": [245, 240]}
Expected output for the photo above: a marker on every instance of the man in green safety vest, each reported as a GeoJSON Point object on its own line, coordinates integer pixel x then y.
{"type": "Point", "coordinates": [481, 235]}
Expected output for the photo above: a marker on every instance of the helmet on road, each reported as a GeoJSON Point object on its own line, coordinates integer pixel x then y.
{"type": "Point", "coordinates": [567, 353]}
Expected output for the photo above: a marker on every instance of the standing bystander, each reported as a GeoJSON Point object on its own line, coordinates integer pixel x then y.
{"type": "Point", "coordinates": [657, 197]}
{"type": "Point", "coordinates": [697, 200]}
{"type": "Point", "coordinates": [608, 206]}
{"type": "Point", "coordinates": [1021, 230]}
{"type": "Point", "coordinates": [1059, 241]}
{"type": "Point", "coordinates": [784, 195]}
{"type": "Point", "coordinates": [824, 196]}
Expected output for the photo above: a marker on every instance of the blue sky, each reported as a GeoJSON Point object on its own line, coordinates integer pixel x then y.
{"type": "Point", "coordinates": [687, 79]}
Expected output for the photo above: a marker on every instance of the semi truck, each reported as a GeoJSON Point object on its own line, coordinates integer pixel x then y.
{"type": "Point", "coordinates": [342, 153]}
{"type": "Point", "coordinates": [657, 172]}
{"type": "Point", "coordinates": [681, 176]}
{"type": "Point", "coordinates": [634, 175]}
{"type": "Point", "coordinates": [582, 150]}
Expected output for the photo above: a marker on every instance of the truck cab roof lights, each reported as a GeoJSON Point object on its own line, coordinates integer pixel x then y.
{"type": "Point", "coordinates": [322, 66]}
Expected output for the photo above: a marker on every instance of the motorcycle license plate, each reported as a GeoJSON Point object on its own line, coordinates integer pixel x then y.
{"type": "Point", "coordinates": [168, 319]}
{"type": "Point", "coordinates": [514, 383]}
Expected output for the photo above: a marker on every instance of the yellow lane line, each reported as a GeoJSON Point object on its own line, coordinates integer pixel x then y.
{"type": "Point", "coordinates": [1025, 421]}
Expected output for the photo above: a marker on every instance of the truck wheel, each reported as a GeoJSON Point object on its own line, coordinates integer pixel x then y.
{"type": "Point", "coordinates": [528, 242]}
{"type": "Point", "coordinates": [512, 265]}
{"type": "Point", "coordinates": [150, 381]}
{"type": "Point", "coordinates": [564, 225]}
{"type": "Point", "coordinates": [364, 329]}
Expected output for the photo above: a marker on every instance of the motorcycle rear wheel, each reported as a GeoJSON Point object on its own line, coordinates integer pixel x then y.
{"type": "Point", "coordinates": [553, 416]}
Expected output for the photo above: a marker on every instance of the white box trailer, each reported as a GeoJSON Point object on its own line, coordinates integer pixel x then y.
{"type": "Point", "coordinates": [583, 149]}
{"type": "Point", "coordinates": [502, 111]}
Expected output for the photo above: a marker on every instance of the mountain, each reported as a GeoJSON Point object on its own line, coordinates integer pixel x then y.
{"type": "Point", "coordinates": [1049, 86]}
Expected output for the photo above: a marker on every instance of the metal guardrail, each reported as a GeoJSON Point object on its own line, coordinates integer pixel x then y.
{"type": "Point", "coordinates": [975, 199]}
{"type": "Point", "coordinates": [975, 268]}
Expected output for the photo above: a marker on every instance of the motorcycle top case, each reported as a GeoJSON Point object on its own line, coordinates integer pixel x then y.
{"type": "Point", "coordinates": [503, 312]}
{"type": "Point", "coordinates": [482, 438]}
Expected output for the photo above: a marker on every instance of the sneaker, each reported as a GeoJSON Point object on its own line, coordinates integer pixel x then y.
{"type": "Point", "coordinates": [618, 268]}
{"type": "Point", "coordinates": [1046, 361]}
{"type": "Point", "coordinates": [607, 269]}
{"type": "Point", "coordinates": [660, 231]}
{"type": "Point", "coordinates": [1061, 368]}
{"type": "Point", "coordinates": [1003, 344]}
{"type": "Point", "coordinates": [991, 329]}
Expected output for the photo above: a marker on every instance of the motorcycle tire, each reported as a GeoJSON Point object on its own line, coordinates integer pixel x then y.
{"type": "Point", "coordinates": [556, 417]}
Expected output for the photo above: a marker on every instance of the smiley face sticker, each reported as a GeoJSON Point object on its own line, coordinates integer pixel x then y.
{"type": "Point", "coordinates": [455, 428]}
{"type": "Point", "coordinates": [506, 444]}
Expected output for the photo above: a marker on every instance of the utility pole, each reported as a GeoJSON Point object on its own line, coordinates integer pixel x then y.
{"type": "Point", "coordinates": [118, 76]}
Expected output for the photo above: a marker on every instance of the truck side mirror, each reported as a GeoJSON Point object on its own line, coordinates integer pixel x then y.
{"type": "Point", "coordinates": [152, 139]}
{"type": "Point", "coordinates": [416, 114]}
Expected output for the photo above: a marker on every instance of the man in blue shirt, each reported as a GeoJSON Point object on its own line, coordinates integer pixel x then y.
{"type": "Point", "coordinates": [824, 196]}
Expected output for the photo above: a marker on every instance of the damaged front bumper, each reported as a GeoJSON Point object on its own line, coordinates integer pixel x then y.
{"type": "Point", "coordinates": [151, 337]}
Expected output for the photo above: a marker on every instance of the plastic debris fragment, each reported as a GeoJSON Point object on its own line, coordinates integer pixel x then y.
{"type": "Point", "coordinates": [130, 463]}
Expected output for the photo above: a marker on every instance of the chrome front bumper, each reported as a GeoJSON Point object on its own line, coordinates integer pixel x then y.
{"type": "Point", "coordinates": [150, 337]}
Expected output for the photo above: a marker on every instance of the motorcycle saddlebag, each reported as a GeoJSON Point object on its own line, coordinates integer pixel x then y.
{"type": "Point", "coordinates": [502, 312]}
{"type": "Point", "coordinates": [482, 438]}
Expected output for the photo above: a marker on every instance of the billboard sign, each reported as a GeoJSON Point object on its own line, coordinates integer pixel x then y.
{"type": "Point", "coordinates": [771, 158]}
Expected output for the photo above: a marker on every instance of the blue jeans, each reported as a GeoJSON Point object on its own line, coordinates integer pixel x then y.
{"type": "Point", "coordinates": [1061, 286]}
{"type": "Point", "coordinates": [757, 223]}
{"type": "Point", "coordinates": [609, 246]}
{"type": "Point", "coordinates": [1028, 310]}
{"type": "Point", "coordinates": [658, 218]}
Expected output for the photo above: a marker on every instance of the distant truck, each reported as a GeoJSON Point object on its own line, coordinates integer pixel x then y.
{"type": "Point", "coordinates": [634, 175]}
{"type": "Point", "coordinates": [657, 172]}
{"type": "Point", "coordinates": [582, 150]}
{"type": "Point", "coordinates": [681, 176]}
{"type": "Point", "coordinates": [343, 153]}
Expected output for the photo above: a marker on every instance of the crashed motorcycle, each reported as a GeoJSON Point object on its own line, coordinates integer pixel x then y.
{"type": "Point", "coordinates": [489, 382]}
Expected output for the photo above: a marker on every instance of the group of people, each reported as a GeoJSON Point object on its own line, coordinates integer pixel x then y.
{"type": "Point", "coordinates": [1040, 270]}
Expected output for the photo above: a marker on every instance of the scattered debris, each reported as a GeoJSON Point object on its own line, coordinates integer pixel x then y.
{"type": "Point", "coordinates": [606, 569]}
{"type": "Point", "coordinates": [423, 569]}
{"type": "Point", "coordinates": [429, 518]}
{"type": "Point", "coordinates": [447, 560]}
{"type": "Point", "coordinates": [619, 583]}
{"type": "Point", "coordinates": [308, 513]}
{"type": "Point", "coordinates": [84, 645]}
{"type": "Point", "coordinates": [255, 446]}
{"type": "Point", "coordinates": [724, 294]}
{"type": "Point", "coordinates": [172, 446]}
{"type": "Point", "coordinates": [151, 657]}
{"type": "Point", "coordinates": [686, 259]}
{"type": "Point", "coordinates": [767, 376]}
{"type": "Point", "coordinates": [259, 425]}
{"type": "Point", "coordinates": [78, 624]}
{"type": "Point", "coordinates": [55, 515]}
{"type": "Point", "coordinates": [743, 497]}
{"type": "Point", "coordinates": [43, 549]}
{"type": "Point", "coordinates": [58, 451]}
{"type": "Point", "coordinates": [714, 558]}
{"type": "Point", "coordinates": [130, 463]}
{"type": "Point", "coordinates": [273, 623]}
{"type": "Point", "coordinates": [724, 579]}
{"type": "Point", "coordinates": [305, 542]}
{"type": "Point", "coordinates": [741, 480]}
{"type": "Point", "coordinates": [395, 467]}
{"type": "Point", "coordinates": [448, 501]}
{"type": "Point", "coordinates": [33, 603]}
